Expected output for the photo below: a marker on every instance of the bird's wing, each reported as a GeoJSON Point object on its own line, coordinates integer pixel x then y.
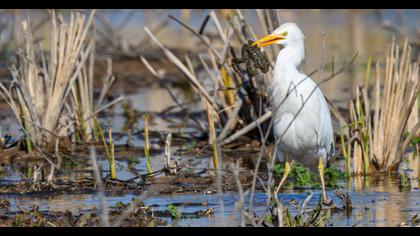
{"type": "Point", "coordinates": [326, 129]}
{"type": "Point", "coordinates": [316, 113]}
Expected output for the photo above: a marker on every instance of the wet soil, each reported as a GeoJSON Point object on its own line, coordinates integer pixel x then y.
{"type": "Point", "coordinates": [157, 185]}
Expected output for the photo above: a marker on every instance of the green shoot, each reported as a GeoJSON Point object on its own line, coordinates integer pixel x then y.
{"type": "Point", "coordinates": [109, 153]}
{"type": "Point", "coordinates": [111, 159]}
{"type": "Point", "coordinates": [28, 142]}
{"type": "Point", "coordinates": [346, 155]}
{"type": "Point", "coordinates": [146, 148]}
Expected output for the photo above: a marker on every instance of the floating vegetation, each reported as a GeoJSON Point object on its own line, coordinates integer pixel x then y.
{"type": "Point", "coordinates": [304, 177]}
{"type": "Point", "coordinates": [304, 218]}
{"type": "Point", "coordinates": [333, 175]}
{"type": "Point", "coordinates": [174, 212]}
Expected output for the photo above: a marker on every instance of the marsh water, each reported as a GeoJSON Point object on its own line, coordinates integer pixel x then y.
{"type": "Point", "coordinates": [377, 202]}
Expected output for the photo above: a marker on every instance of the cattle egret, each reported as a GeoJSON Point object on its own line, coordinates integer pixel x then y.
{"type": "Point", "coordinates": [301, 117]}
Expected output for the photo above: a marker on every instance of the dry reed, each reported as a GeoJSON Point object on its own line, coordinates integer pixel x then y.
{"type": "Point", "coordinates": [378, 124]}
{"type": "Point", "coordinates": [38, 93]}
{"type": "Point", "coordinates": [51, 94]}
{"type": "Point", "coordinates": [392, 110]}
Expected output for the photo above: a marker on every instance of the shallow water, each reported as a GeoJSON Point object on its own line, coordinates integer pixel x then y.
{"type": "Point", "coordinates": [376, 200]}
{"type": "Point", "coordinates": [383, 203]}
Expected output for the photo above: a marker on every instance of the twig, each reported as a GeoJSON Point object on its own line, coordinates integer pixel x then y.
{"type": "Point", "coordinates": [101, 189]}
{"type": "Point", "coordinates": [204, 39]}
{"type": "Point", "coordinates": [171, 94]}
{"type": "Point", "coordinates": [231, 122]}
{"type": "Point", "coordinates": [247, 128]}
{"type": "Point", "coordinates": [184, 69]}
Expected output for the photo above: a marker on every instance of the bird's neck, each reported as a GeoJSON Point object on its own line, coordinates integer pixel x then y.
{"type": "Point", "coordinates": [285, 70]}
{"type": "Point", "coordinates": [290, 57]}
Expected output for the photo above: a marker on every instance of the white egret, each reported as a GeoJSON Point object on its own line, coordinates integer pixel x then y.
{"type": "Point", "coordinates": [302, 121]}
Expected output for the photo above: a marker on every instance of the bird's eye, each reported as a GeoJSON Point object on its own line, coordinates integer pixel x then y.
{"type": "Point", "coordinates": [284, 33]}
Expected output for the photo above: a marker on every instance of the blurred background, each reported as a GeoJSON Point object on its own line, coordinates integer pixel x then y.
{"type": "Point", "coordinates": [330, 35]}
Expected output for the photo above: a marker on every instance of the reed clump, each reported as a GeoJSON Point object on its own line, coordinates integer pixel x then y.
{"type": "Point", "coordinates": [392, 110]}
{"type": "Point", "coordinates": [51, 92]}
{"type": "Point", "coordinates": [378, 123]}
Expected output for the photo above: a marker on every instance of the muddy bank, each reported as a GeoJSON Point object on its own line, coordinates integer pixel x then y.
{"type": "Point", "coordinates": [137, 185]}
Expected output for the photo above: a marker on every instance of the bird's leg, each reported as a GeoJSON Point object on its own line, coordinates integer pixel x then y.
{"type": "Point", "coordinates": [285, 174]}
{"type": "Point", "coordinates": [321, 175]}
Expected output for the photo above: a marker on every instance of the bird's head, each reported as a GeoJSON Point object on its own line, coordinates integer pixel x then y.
{"type": "Point", "coordinates": [284, 35]}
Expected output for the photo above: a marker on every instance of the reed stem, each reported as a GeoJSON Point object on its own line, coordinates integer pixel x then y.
{"type": "Point", "coordinates": [212, 134]}
{"type": "Point", "coordinates": [109, 153]}
{"type": "Point", "coordinates": [146, 140]}
{"type": "Point", "coordinates": [111, 158]}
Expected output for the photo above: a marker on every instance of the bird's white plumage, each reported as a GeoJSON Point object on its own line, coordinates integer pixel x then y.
{"type": "Point", "coordinates": [305, 133]}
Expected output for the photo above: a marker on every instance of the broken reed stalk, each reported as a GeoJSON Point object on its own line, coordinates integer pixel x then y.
{"type": "Point", "coordinates": [146, 143]}
{"type": "Point", "coordinates": [212, 137]}
{"type": "Point", "coordinates": [171, 166]}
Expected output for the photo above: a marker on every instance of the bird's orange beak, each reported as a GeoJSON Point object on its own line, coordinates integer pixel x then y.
{"type": "Point", "coordinates": [268, 40]}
